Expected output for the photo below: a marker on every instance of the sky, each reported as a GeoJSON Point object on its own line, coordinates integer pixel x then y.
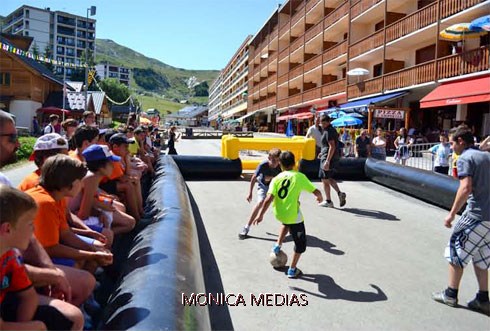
{"type": "Point", "coordinates": [188, 34]}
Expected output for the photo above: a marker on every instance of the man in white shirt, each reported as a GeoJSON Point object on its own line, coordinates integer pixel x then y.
{"type": "Point", "coordinates": [315, 131]}
{"type": "Point", "coordinates": [53, 121]}
{"type": "Point", "coordinates": [8, 143]}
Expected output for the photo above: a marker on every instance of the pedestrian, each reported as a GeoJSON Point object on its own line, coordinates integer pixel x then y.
{"type": "Point", "coordinates": [53, 122]}
{"type": "Point", "coordinates": [363, 145]}
{"type": "Point", "coordinates": [35, 126]}
{"type": "Point", "coordinates": [284, 192]}
{"type": "Point", "coordinates": [402, 144]}
{"type": "Point", "coordinates": [173, 137]}
{"type": "Point", "coordinates": [264, 173]}
{"type": "Point", "coordinates": [315, 131]}
{"type": "Point", "coordinates": [470, 240]}
{"type": "Point", "coordinates": [442, 152]}
{"type": "Point", "coordinates": [329, 162]}
{"type": "Point", "coordinates": [378, 146]}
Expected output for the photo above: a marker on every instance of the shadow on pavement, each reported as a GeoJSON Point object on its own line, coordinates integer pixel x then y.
{"type": "Point", "coordinates": [219, 315]}
{"type": "Point", "coordinates": [331, 291]}
{"type": "Point", "coordinates": [312, 241]}
{"type": "Point", "coordinates": [380, 215]}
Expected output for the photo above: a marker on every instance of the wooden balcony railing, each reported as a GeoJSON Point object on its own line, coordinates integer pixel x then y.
{"type": "Point", "coordinates": [362, 6]}
{"type": "Point", "coordinates": [335, 51]}
{"type": "Point", "coordinates": [335, 87]}
{"type": "Point", "coordinates": [313, 32]}
{"type": "Point", "coordinates": [311, 4]}
{"type": "Point", "coordinates": [368, 43]}
{"type": "Point", "coordinates": [263, 84]}
{"type": "Point", "coordinates": [274, 33]}
{"type": "Point", "coordinates": [476, 60]}
{"type": "Point", "coordinates": [336, 15]}
{"type": "Point", "coordinates": [451, 7]}
{"type": "Point", "coordinates": [283, 54]}
{"type": "Point", "coordinates": [283, 103]}
{"type": "Point", "coordinates": [314, 93]}
{"type": "Point", "coordinates": [367, 87]}
{"type": "Point", "coordinates": [272, 80]}
{"type": "Point", "coordinates": [422, 73]}
{"type": "Point", "coordinates": [297, 16]}
{"type": "Point", "coordinates": [300, 41]}
{"type": "Point", "coordinates": [313, 63]}
{"type": "Point", "coordinates": [296, 72]}
{"type": "Point", "coordinates": [282, 79]}
{"type": "Point", "coordinates": [412, 22]}
{"type": "Point", "coordinates": [283, 30]}
{"type": "Point", "coordinates": [272, 57]}
{"type": "Point", "coordinates": [296, 99]}
{"type": "Point", "coordinates": [271, 101]}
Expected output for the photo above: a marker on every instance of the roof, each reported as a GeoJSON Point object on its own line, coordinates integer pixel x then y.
{"type": "Point", "coordinates": [120, 109]}
{"type": "Point", "coordinates": [36, 66]}
{"type": "Point", "coordinates": [77, 86]}
{"type": "Point", "coordinates": [98, 100]}
{"type": "Point", "coordinates": [191, 111]}
{"type": "Point", "coordinates": [76, 100]}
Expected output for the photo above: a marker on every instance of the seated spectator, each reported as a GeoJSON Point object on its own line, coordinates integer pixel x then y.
{"type": "Point", "coordinates": [84, 137]}
{"type": "Point", "coordinates": [88, 119]}
{"type": "Point", "coordinates": [51, 226]}
{"type": "Point", "coordinates": [99, 212]}
{"type": "Point", "coordinates": [69, 126]}
{"type": "Point", "coordinates": [143, 152]}
{"type": "Point", "coordinates": [21, 308]}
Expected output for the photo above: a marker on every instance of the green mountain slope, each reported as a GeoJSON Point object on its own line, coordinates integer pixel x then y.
{"type": "Point", "coordinates": [151, 75]}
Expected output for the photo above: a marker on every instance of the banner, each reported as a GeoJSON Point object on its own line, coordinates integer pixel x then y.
{"type": "Point", "coordinates": [389, 113]}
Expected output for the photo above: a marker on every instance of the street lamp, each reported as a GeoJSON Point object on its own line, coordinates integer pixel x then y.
{"type": "Point", "coordinates": [92, 11]}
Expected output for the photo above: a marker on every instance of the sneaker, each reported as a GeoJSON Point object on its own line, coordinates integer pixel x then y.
{"type": "Point", "coordinates": [342, 197]}
{"type": "Point", "coordinates": [276, 249]}
{"type": "Point", "coordinates": [326, 204]}
{"type": "Point", "coordinates": [443, 298]}
{"type": "Point", "coordinates": [477, 305]}
{"type": "Point", "coordinates": [294, 273]}
{"type": "Point", "coordinates": [243, 234]}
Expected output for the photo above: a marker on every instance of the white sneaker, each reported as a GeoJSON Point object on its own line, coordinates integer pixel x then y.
{"type": "Point", "coordinates": [326, 204]}
{"type": "Point", "coordinates": [243, 234]}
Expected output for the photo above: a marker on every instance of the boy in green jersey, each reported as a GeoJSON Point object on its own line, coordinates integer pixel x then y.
{"type": "Point", "coordinates": [284, 191]}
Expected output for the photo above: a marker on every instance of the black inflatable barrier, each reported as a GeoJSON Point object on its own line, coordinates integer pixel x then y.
{"type": "Point", "coordinates": [196, 167]}
{"type": "Point", "coordinates": [163, 264]}
{"type": "Point", "coordinates": [349, 169]}
{"type": "Point", "coordinates": [431, 187]}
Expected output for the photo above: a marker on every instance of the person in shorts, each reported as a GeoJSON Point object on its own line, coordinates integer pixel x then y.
{"type": "Point", "coordinates": [329, 162]}
{"type": "Point", "coordinates": [263, 175]}
{"type": "Point", "coordinates": [442, 154]}
{"type": "Point", "coordinates": [284, 192]}
{"type": "Point", "coordinates": [470, 240]}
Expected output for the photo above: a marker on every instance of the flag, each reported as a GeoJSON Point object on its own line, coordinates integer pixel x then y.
{"type": "Point", "coordinates": [289, 129]}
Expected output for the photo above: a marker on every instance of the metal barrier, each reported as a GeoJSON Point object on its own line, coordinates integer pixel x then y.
{"type": "Point", "coordinates": [420, 157]}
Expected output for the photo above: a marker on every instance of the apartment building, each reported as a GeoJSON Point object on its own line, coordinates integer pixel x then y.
{"type": "Point", "coordinates": [233, 82]}
{"type": "Point", "coordinates": [106, 70]}
{"type": "Point", "coordinates": [214, 102]}
{"type": "Point", "coordinates": [67, 35]}
{"type": "Point", "coordinates": [301, 57]}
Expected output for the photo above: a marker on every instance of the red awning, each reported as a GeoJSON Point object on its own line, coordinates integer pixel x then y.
{"type": "Point", "coordinates": [53, 110]}
{"type": "Point", "coordinates": [457, 93]}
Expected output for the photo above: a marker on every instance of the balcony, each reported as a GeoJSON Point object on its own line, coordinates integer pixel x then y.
{"type": "Point", "coordinates": [272, 57]}
{"type": "Point", "coordinates": [412, 22]}
{"type": "Point", "coordinates": [336, 15]}
{"type": "Point", "coordinates": [274, 33]}
{"type": "Point", "coordinates": [296, 99]}
{"type": "Point", "coordinates": [311, 4]}
{"type": "Point", "coordinates": [422, 73]}
{"type": "Point", "coordinates": [335, 87]}
{"type": "Point", "coordinates": [313, 63]}
{"type": "Point", "coordinates": [271, 101]}
{"type": "Point", "coordinates": [313, 94]}
{"type": "Point", "coordinates": [313, 32]}
{"type": "Point", "coordinates": [283, 103]}
{"type": "Point", "coordinates": [300, 41]}
{"type": "Point", "coordinates": [297, 17]}
{"type": "Point", "coordinates": [283, 30]}
{"type": "Point", "coordinates": [370, 86]}
{"type": "Point", "coordinates": [451, 7]}
{"type": "Point", "coordinates": [284, 54]}
{"type": "Point", "coordinates": [335, 51]}
{"type": "Point", "coordinates": [296, 72]}
{"type": "Point", "coordinates": [362, 6]}
{"type": "Point", "coordinates": [283, 79]}
{"type": "Point", "coordinates": [366, 44]}
{"type": "Point", "coordinates": [473, 61]}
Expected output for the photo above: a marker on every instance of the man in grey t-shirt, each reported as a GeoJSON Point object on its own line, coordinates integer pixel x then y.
{"type": "Point", "coordinates": [470, 240]}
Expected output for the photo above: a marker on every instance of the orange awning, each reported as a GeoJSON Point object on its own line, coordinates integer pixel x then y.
{"type": "Point", "coordinates": [458, 93]}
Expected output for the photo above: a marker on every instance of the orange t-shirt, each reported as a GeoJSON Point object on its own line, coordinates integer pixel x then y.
{"type": "Point", "coordinates": [117, 172]}
{"type": "Point", "coordinates": [50, 218]}
{"type": "Point", "coordinates": [13, 273]}
{"type": "Point", "coordinates": [30, 181]}
{"type": "Point", "coordinates": [74, 154]}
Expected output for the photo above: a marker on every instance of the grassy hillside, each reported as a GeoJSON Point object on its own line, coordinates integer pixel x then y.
{"type": "Point", "coordinates": [151, 73]}
{"type": "Point", "coordinates": [162, 105]}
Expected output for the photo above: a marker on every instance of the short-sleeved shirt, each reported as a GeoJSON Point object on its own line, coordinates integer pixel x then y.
{"type": "Point", "coordinates": [4, 180]}
{"type": "Point", "coordinates": [330, 134]}
{"type": "Point", "coordinates": [442, 152]}
{"type": "Point", "coordinates": [315, 133]}
{"type": "Point", "coordinates": [117, 171]}
{"type": "Point", "coordinates": [476, 164]}
{"type": "Point", "coordinates": [13, 274]}
{"type": "Point", "coordinates": [286, 189]}
{"type": "Point", "coordinates": [50, 219]}
{"type": "Point", "coordinates": [30, 181]}
{"type": "Point", "coordinates": [264, 174]}
{"type": "Point", "coordinates": [362, 144]}
{"type": "Point", "coordinates": [133, 148]}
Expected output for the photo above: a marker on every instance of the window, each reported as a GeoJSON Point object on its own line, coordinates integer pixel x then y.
{"type": "Point", "coordinates": [26, 33]}
{"type": "Point", "coordinates": [5, 78]}
{"type": "Point", "coordinates": [27, 12]}
{"type": "Point", "coordinates": [27, 24]}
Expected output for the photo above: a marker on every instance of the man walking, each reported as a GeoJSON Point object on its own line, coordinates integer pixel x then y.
{"type": "Point", "coordinates": [470, 240]}
{"type": "Point", "coordinates": [329, 162]}
{"type": "Point", "coordinates": [315, 131]}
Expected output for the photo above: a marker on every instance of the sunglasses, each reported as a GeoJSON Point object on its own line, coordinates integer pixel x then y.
{"type": "Point", "coordinates": [12, 137]}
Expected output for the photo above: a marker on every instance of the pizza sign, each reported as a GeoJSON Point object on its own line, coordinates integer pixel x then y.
{"type": "Point", "coordinates": [389, 113]}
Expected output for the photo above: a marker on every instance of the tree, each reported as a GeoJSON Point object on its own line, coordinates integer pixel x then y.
{"type": "Point", "coordinates": [201, 90]}
{"type": "Point", "coordinates": [114, 90]}
{"type": "Point", "coordinates": [49, 55]}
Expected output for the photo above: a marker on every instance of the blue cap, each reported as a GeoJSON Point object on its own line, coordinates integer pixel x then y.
{"type": "Point", "coordinates": [99, 153]}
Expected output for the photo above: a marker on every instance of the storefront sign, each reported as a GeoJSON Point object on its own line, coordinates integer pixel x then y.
{"type": "Point", "coordinates": [389, 113]}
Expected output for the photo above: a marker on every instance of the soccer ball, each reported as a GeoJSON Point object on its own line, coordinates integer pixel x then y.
{"type": "Point", "coordinates": [279, 260]}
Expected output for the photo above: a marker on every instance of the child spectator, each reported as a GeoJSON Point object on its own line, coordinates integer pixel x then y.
{"type": "Point", "coordinates": [84, 137]}
{"type": "Point", "coordinates": [263, 175]}
{"type": "Point", "coordinates": [51, 227]}
{"type": "Point", "coordinates": [20, 305]}
{"type": "Point", "coordinates": [442, 153]}
{"type": "Point", "coordinates": [284, 192]}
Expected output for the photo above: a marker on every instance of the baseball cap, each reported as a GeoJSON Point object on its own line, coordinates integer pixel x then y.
{"type": "Point", "coordinates": [120, 138]}
{"type": "Point", "coordinates": [99, 153]}
{"type": "Point", "coordinates": [47, 142]}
